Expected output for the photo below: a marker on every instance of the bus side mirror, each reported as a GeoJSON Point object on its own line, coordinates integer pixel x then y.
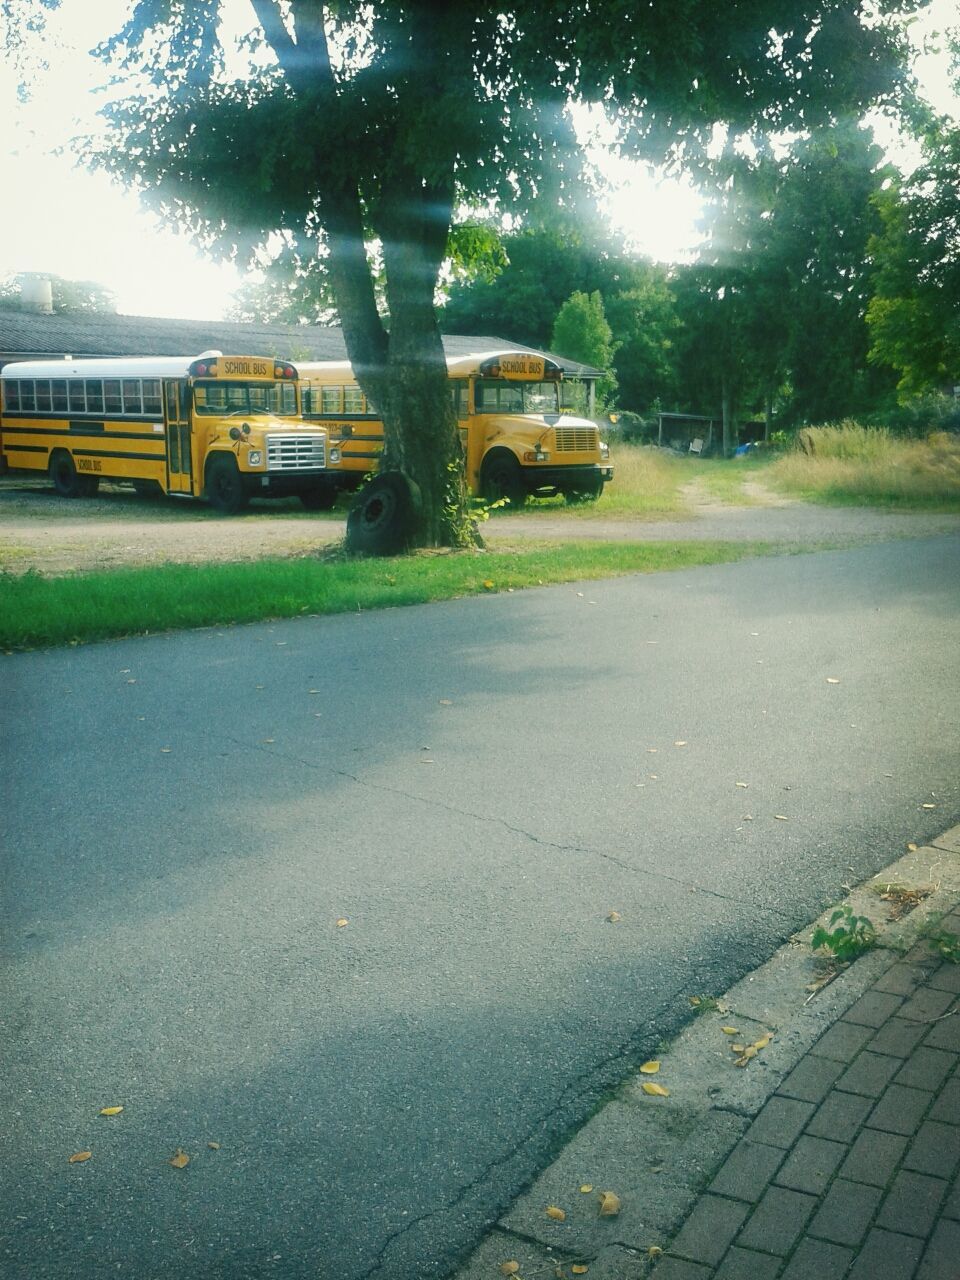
{"type": "Point", "coordinates": [235, 433]}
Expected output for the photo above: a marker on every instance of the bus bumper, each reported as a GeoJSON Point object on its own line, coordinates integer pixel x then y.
{"type": "Point", "coordinates": [587, 478]}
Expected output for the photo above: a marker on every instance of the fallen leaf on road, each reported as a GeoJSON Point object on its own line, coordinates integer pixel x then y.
{"type": "Point", "coordinates": [832, 680]}
{"type": "Point", "coordinates": [614, 917]}
{"type": "Point", "coordinates": [342, 922]}
{"type": "Point", "coordinates": [655, 1090]}
{"type": "Point", "coordinates": [587, 1188]}
{"type": "Point", "coordinates": [214, 1146]}
{"type": "Point", "coordinates": [729, 1031]}
{"type": "Point", "coordinates": [609, 1204]}
{"type": "Point", "coordinates": [928, 806]}
{"type": "Point", "coordinates": [650, 1068]}
{"type": "Point", "coordinates": [680, 744]}
{"type": "Point", "coordinates": [911, 848]}
{"type": "Point", "coordinates": [762, 1042]}
{"type": "Point", "coordinates": [654, 1251]}
{"type": "Point", "coordinates": [180, 1160]}
{"type": "Point", "coordinates": [556, 1214]}
{"type": "Point", "coordinates": [509, 1268]}
{"type": "Point", "coordinates": [781, 817]}
{"type": "Point", "coordinates": [738, 1048]}
{"type": "Point", "coordinates": [579, 1269]}
{"type": "Point", "coordinates": [445, 702]}
{"type": "Point", "coordinates": [743, 784]}
{"type": "Point", "coordinates": [110, 1111]}
{"type": "Point", "coordinates": [80, 1157]}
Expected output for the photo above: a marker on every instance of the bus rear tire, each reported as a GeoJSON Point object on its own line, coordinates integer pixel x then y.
{"type": "Point", "coordinates": [225, 489]}
{"type": "Point", "coordinates": [500, 478]}
{"type": "Point", "coordinates": [65, 479]}
{"type": "Point", "coordinates": [383, 516]}
{"type": "Point", "coordinates": [322, 498]}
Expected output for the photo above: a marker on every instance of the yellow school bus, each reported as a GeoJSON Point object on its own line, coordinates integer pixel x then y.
{"type": "Point", "coordinates": [517, 440]}
{"type": "Point", "coordinates": [226, 428]}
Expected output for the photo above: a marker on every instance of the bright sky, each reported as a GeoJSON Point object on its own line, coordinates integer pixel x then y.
{"type": "Point", "coordinates": [57, 218]}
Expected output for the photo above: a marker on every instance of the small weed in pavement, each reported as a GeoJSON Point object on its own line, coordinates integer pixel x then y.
{"type": "Point", "coordinates": [848, 936]}
{"type": "Point", "coordinates": [947, 944]}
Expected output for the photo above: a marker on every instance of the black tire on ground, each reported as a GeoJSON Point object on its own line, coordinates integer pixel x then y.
{"type": "Point", "coordinates": [500, 478]}
{"type": "Point", "coordinates": [322, 498]}
{"type": "Point", "coordinates": [148, 488]}
{"type": "Point", "coordinates": [383, 516]}
{"type": "Point", "coordinates": [589, 493]}
{"type": "Point", "coordinates": [225, 489]}
{"type": "Point", "coordinates": [64, 477]}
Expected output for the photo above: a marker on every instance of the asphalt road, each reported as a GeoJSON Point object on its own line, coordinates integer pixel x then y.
{"type": "Point", "coordinates": [474, 787]}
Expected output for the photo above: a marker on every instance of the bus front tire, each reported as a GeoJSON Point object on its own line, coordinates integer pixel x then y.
{"type": "Point", "coordinates": [500, 478]}
{"type": "Point", "coordinates": [383, 516]}
{"type": "Point", "coordinates": [321, 498]}
{"type": "Point", "coordinates": [225, 489]}
{"type": "Point", "coordinates": [67, 482]}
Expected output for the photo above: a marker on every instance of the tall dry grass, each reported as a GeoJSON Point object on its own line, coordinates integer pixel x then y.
{"type": "Point", "coordinates": [852, 464]}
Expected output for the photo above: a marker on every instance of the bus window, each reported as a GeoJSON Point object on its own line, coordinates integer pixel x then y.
{"type": "Point", "coordinates": [111, 396]}
{"type": "Point", "coordinates": [151, 396]}
{"type": "Point", "coordinates": [58, 394]}
{"type": "Point", "coordinates": [493, 396]}
{"type": "Point", "coordinates": [131, 396]}
{"type": "Point", "coordinates": [43, 394]}
{"type": "Point", "coordinates": [352, 400]}
{"type": "Point", "coordinates": [331, 399]}
{"type": "Point", "coordinates": [77, 400]}
{"type": "Point", "coordinates": [11, 394]}
{"type": "Point", "coordinates": [94, 395]}
{"type": "Point", "coordinates": [459, 388]}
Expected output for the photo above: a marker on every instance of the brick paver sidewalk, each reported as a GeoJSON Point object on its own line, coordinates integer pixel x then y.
{"type": "Point", "coordinates": [850, 1170]}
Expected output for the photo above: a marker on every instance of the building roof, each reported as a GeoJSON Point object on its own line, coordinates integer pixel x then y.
{"type": "Point", "coordinates": [29, 335]}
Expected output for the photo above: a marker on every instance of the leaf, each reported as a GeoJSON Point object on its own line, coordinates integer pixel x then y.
{"type": "Point", "coordinates": [928, 806]}
{"type": "Point", "coordinates": [180, 1160]}
{"type": "Point", "coordinates": [762, 1042]}
{"type": "Point", "coordinates": [743, 784]}
{"type": "Point", "coordinates": [614, 917]}
{"type": "Point", "coordinates": [738, 1048]}
{"type": "Point", "coordinates": [110, 1111]}
{"type": "Point", "coordinates": [609, 1204]}
{"type": "Point", "coordinates": [587, 1188]}
{"type": "Point", "coordinates": [80, 1157]}
{"type": "Point", "coordinates": [579, 1269]}
{"type": "Point", "coordinates": [911, 847]}
{"type": "Point", "coordinates": [556, 1214]}
{"type": "Point", "coordinates": [650, 1068]}
{"type": "Point", "coordinates": [509, 1268]}
{"type": "Point", "coordinates": [832, 680]}
{"type": "Point", "coordinates": [654, 1251]}
{"type": "Point", "coordinates": [655, 1090]}
{"type": "Point", "coordinates": [681, 743]}
{"type": "Point", "coordinates": [729, 1031]}
{"type": "Point", "coordinates": [214, 1146]}
{"type": "Point", "coordinates": [445, 702]}
{"type": "Point", "coordinates": [781, 817]}
{"type": "Point", "coordinates": [342, 922]}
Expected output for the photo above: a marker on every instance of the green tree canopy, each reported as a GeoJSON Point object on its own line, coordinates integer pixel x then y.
{"type": "Point", "coordinates": [376, 120]}
{"type": "Point", "coordinates": [914, 315]}
{"type": "Point", "coordinates": [581, 333]}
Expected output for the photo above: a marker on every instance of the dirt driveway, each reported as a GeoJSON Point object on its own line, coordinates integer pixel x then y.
{"type": "Point", "coordinates": [53, 535]}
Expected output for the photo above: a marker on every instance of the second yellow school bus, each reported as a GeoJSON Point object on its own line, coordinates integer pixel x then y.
{"type": "Point", "coordinates": [517, 440]}
{"type": "Point", "coordinates": [222, 427]}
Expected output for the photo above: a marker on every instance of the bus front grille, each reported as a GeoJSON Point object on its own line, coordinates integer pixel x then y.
{"type": "Point", "coordinates": [296, 453]}
{"type": "Point", "coordinates": [577, 439]}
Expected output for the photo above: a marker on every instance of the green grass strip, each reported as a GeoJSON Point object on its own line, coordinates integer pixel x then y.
{"type": "Point", "coordinates": [37, 611]}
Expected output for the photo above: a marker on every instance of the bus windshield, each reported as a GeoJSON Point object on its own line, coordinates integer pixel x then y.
{"type": "Point", "coordinates": [221, 398]}
{"type": "Point", "coordinates": [492, 395]}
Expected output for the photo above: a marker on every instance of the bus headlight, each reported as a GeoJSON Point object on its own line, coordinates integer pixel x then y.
{"type": "Point", "coordinates": [254, 458]}
{"type": "Point", "coordinates": [604, 451]}
{"type": "Point", "coordinates": [334, 456]}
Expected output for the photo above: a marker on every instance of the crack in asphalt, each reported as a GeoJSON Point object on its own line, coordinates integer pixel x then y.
{"type": "Point", "coordinates": [520, 831]}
